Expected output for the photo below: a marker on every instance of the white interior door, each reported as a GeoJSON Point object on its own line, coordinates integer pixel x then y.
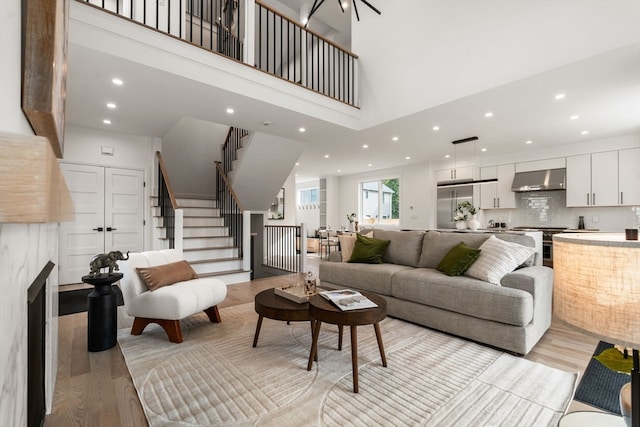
{"type": "Point", "coordinates": [109, 215]}
{"type": "Point", "coordinates": [124, 206]}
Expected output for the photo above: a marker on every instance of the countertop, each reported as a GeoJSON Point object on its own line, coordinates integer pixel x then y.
{"type": "Point", "coordinates": [597, 239]}
{"type": "Point", "coordinates": [489, 230]}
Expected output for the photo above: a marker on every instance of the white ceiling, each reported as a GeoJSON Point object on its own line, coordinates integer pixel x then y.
{"type": "Point", "coordinates": [454, 61]}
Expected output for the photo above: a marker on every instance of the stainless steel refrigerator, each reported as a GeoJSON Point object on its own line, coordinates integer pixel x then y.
{"type": "Point", "coordinates": [448, 199]}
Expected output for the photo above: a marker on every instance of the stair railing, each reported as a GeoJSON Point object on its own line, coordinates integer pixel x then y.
{"type": "Point", "coordinates": [292, 52]}
{"type": "Point", "coordinates": [286, 247]}
{"type": "Point", "coordinates": [216, 25]}
{"type": "Point", "coordinates": [230, 148]}
{"type": "Point", "coordinates": [230, 209]}
{"type": "Point", "coordinates": [169, 212]}
{"type": "Point", "coordinates": [279, 45]}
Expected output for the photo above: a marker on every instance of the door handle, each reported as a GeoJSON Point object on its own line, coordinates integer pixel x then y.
{"type": "Point", "coordinates": [98, 229]}
{"type": "Point", "coordinates": [593, 199]}
{"type": "Point", "coordinates": [621, 198]}
{"type": "Point", "coordinates": [111, 229]}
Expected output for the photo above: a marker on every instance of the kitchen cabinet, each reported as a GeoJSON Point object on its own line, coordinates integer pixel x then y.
{"type": "Point", "coordinates": [455, 174]}
{"type": "Point", "coordinates": [629, 177]}
{"type": "Point", "coordinates": [497, 195]}
{"type": "Point", "coordinates": [592, 179]}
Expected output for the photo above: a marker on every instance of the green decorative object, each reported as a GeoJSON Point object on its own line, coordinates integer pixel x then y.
{"type": "Point", "coordinates": [614, 359]}
{"type": "Point", "coordinates": [458, 259]}
{"type": "Point", "coordinates": [368, 250]}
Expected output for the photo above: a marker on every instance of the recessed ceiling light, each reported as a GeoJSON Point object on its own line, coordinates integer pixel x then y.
{"type": "Point", "coordinates": [560, 96]}
{"type": "Point", "coordinates": [585, 132]}
{"type": "Point", "coordinates": [483, 150]}
{"type": "Point", "coordinates": [117, 81]}
{"type": "Point", "coordinates": [230, 111]}
{"type": "Point", "coordinates": [436, 128]}
{"type": "Point", "coordinates": [395, 138]}
{"type": "Point", "coordinates": [408, 158]}
{"type": "Point", "coordinates": [446, 156]}
{"type": "Point", "coordinates": [111, 105]}
{"type": "Point", "coordinates": [326, 156]}
{"type": "Point", "coordinates": [345, 5]}
{"type": "Point", "coordinates": [488, 114]}
{"type": "Point", "coordinates": [297, 163]}
{"type": "Point", "coordinates": [575, 117]}
{"type": "Point", "coordinates": [365, 146]}
{"type": "Point", "coordinates": [106, 121]}
{"type": "Point", "coordinates": [339, 170]}
{"type": "Point", "coordinates": [266, 123]}
{"type": "Point", "coordinates": [302, 130]}
{"type": "Point", "coordinates": [528, 142]}
{"type": "Point", "coordinates": [369, 165]}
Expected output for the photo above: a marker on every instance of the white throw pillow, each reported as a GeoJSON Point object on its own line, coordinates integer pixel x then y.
{"type": "Point", "coordinates": [498, 258]}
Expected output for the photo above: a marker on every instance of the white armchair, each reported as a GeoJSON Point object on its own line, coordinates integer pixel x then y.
{"type": "Point", "coordinates": [166, 305]}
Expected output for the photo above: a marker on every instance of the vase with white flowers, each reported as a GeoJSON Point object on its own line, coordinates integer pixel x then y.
{"type": "Point", "coordinates": [465, 216]}
{"type": "Point", "coordinates": [352, 217]}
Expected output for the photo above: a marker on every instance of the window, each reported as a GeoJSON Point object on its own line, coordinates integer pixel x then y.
{"type": "Point", "coordinates": [308, 196]}
{"type": "Point", "coordinates": [380, 202]}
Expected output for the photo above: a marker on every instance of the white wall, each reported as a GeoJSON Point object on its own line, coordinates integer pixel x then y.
{"type": "Point", "coordinates": [308, 213]}
{"type": "Point", "coordinates": [264, 164]}
{"type": "Point", "coordinates": [24, 250]}
{"type": "Point", "coordinates": [417, 196]}
{"type": "Point", "coordinates": [193, 145]}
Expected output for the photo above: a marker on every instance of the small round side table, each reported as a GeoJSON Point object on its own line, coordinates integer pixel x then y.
{"type": "Point", "coordinates": [591, 419]}
{"type": "Point", "coordinates": [102, 311]}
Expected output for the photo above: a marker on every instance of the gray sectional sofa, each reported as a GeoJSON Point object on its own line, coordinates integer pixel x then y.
{"type": "Point", "coordinates": [512, 316]}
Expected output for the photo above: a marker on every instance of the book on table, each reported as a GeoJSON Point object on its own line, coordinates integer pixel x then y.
{"type": "Point", "coordinates": [348, 299]}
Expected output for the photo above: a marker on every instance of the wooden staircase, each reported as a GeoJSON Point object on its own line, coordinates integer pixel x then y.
{"type": "Point", "coordinates": [207, 244]}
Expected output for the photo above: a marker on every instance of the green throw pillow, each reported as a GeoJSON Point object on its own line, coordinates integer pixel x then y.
{"type": "Point", "coordinates": [458, 259]}
{"type": "Point", "coordinates": [368, 250]}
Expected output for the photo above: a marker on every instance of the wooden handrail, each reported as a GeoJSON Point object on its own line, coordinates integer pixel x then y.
{"type": "Point", "coordinates": [293, 21]}
{"type": "Point", "coordinates": [228, 185]}
{"type": "Point", "coordinates": [172, 197]}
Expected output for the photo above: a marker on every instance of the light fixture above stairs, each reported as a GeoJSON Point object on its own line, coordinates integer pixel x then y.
{"type": "Point", "coordinates": [318, 3]}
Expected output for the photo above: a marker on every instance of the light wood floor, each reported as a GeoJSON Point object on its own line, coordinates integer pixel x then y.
{"type": "Point", "coordinates": [95, 389]}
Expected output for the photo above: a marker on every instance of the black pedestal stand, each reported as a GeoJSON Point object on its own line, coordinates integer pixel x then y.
{"type": "Point", "coordinates": [102, 312]}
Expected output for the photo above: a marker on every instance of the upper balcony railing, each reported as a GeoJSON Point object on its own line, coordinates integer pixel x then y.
{"type": "Point", "coordinates": [276, 44]}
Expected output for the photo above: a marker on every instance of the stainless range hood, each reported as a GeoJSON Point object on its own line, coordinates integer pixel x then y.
{"type": "Point", "coordinates": [541, 180]}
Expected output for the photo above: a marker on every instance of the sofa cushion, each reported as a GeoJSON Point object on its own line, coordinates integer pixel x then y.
{"type": "Point", "coordinates": [166, 274]}
{"type": "Point", "coordinates": [404, 247]}
{"type": "Point", "coordinates": [368, 277]}
{"type": "Point", "coordinates": [458, 259]}
{"type": "Point", "coordinates": [436, 245]}
{"type": "Point", "coordinates": [368, 250]}
{"type": "Point", "coordinates": [347, 242]}
{"type": "Point", "coordinates": [498, 258]}
{"type": "Point", "coordinates": [464, 295]}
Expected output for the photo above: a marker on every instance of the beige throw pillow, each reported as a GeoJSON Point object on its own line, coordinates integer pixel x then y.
{"type": "Point", "coordinates": [166, 274]}
{"type": "Point", "coordinates": [498, 258]}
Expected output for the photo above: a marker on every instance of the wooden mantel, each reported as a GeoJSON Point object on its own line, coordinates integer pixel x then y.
{"type": "Point", "coordinates": [32, 187]}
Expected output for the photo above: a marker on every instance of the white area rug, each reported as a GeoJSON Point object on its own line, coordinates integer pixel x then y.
{"type": "Point", "coordinates": [216, 378]}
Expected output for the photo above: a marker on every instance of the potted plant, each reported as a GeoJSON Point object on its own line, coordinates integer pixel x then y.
{"type": "Point", "coordinates": [465, 216]}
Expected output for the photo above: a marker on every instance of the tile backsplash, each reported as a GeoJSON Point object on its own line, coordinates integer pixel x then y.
{"type": "Point", "coordinates": [549, 209]}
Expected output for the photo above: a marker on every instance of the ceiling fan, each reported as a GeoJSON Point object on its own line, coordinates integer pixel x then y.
{"type": "Point", "coordinates": [318, 3]}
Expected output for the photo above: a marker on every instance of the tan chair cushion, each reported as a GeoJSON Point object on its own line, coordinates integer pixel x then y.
{"type": "Point", "coordinates": [166, 274]}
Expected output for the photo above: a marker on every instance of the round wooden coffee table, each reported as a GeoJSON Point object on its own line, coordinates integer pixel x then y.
{"type": "Point", "coordinates": [272, 306]}
{"type": "Point", "coordinates": [324, 311]}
